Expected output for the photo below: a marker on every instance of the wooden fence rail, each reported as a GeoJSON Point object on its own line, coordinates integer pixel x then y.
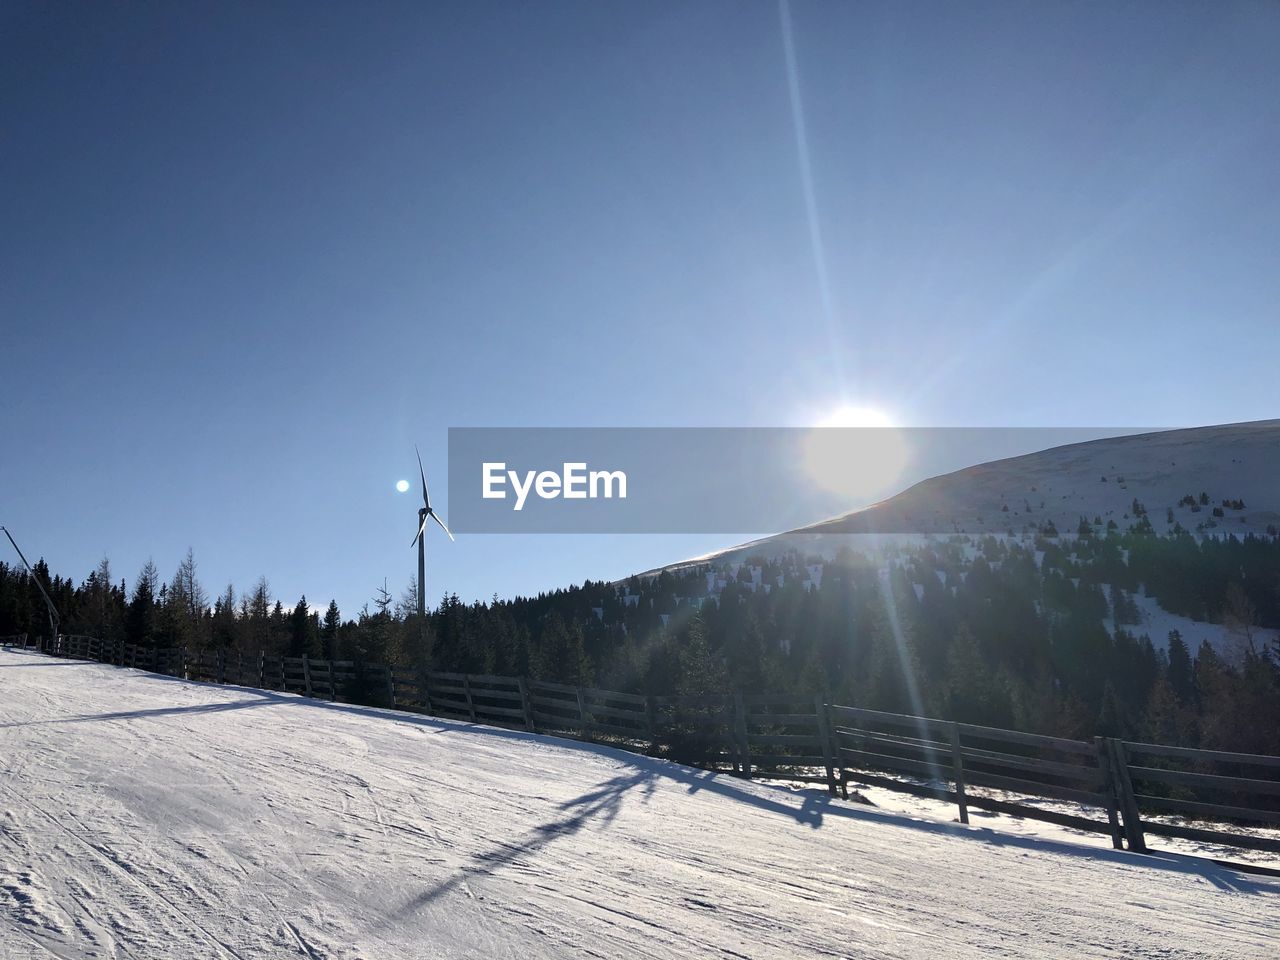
{"type": "Point", "coordinates": [966, 755]}
{"type": "Point", "coordinates": [1210, 784]}
{"type": "Point", "coordinates": [791, 737]}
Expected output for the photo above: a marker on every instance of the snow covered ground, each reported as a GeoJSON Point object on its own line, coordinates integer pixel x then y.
{"type": "Point", "coordinates": [148, 817]}
{"type": "Point", "coordinates": [1156, 622]}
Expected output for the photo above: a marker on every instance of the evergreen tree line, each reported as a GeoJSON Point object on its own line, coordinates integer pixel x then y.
{"type": "Point", "coordinates": [1033, 636]}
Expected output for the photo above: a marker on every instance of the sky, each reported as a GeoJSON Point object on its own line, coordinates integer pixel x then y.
{"type": "Point", "coordinates": [253, 253]}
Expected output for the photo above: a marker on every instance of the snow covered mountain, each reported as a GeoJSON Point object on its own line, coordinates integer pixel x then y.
{"type": "Point", "coordinates": [1209, 481]}
{"type": "Point", "coordinates": [1165, 472]}
{"type": "Point", "coordinates": [149, 817]}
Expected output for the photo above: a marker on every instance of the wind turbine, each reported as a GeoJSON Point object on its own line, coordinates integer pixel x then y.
{"type": "Point", "coordinates": [54, 619]}
{"type": "Point", "coordinates": [425, 513]}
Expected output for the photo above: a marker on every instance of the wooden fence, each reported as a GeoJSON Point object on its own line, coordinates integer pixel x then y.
{"type": "Point", "coordinates": [1238, 788]}
{"type": "Point", "coordinates": [1107, 782]}
{"type": "Point", "coordinates": [938, 752]}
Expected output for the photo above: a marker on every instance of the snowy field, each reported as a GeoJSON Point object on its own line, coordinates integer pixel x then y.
{"type": "Point", "coordinates": [150, 817]}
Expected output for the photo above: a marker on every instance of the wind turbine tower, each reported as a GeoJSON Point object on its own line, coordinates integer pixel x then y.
{"type": "Point", "coordinates": [425, 513]}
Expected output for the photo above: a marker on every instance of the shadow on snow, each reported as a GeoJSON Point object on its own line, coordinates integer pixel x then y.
{"type": "Point", "coordinates": [601, 805]}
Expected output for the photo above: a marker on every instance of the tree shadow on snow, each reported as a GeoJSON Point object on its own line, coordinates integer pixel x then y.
{"type": "Point", "coordinates": [809, 807]}
{"type": "Point", "coordinates": [597, 808]}
{"type": "Point", "coordinates": [54, 663]}
{"type": "Point", "coordinates": [260, 699]}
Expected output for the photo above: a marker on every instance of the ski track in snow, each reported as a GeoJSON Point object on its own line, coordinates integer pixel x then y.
{"type": "Point", "coordinates": [142, 816]}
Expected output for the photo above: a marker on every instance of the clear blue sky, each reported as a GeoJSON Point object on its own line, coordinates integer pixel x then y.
{"type": "Point", "coordinates": [252, 253]}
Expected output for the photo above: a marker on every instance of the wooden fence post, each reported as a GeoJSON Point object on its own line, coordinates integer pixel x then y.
{"type": "Point", "coordinates": [824, 735]}
{"type": "Point", "coordinates": [391, 684]}
{"type": "Point", "coordinates": [471, 704]}
{"type": "Point", "coordinates": [740, 734]}
{"type": "Point", "coordinates": [306, 675]}
{"type": "Point", "coordinates": [957, 772]}
{"type": "Point", "coordinates": [1128, 802]}
{"type": "Point", "coordinates": [582, 716]}
{"type": "Point", "coordinates": [262, 669]}
{"type": "Point", "coordinates": [424, 684]}
{"type": "Point", "coordinates": [525, 704]}
{"type": "Point", "coordinates": [1111, 786]}
{"type": "Point", "coordinates": [651, 721]}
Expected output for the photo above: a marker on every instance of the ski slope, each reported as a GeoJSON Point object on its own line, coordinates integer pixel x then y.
{"type": "Point", "coordinates": [142, 816]}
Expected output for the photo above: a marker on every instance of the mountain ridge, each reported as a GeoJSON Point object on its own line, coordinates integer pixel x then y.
{"type": "Point", "coordinates": [1094, 479]}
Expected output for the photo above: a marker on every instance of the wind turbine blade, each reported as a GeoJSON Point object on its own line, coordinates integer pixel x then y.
{"type": "Point", "coordinates": [426, 500]}
{"type": "Point", "coordinates": [421, 530]}
{"type": "Point", "coordinates": [433, 515]}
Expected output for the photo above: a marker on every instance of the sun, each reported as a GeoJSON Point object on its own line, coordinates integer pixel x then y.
{"type": "Point", "coordinates": [402, 486]}
{"type": "Point", "coordinates": [847, 416]}
{"type": "Point", "coordinates": [857, 452]}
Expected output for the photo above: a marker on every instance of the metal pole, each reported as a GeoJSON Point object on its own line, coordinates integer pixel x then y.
{"type": "Point", "coordinates": [54, 619]}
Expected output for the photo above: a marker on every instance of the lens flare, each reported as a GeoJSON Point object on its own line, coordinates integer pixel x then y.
{"type": "Point", "coordinates": [856, 452]}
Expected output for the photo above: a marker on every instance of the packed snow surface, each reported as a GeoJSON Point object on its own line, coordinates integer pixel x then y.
{"type": "Point", "coordinates": [142, 816]}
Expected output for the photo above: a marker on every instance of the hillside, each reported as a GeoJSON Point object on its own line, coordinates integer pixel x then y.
{"type": "Point", "coordinates": [1206, 482]}
{"type": "Point", "coordinates": [1098, 479]}
{"type": "Point", "coordinates": [149, 817]}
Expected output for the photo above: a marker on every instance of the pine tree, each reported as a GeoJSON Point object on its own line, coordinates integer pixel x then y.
{"type": "Point", "coordinates": [104, 613]}
{"type": "Point", "coordinates": [1216, 692]}
{"type": "Point", "coordinates": [1163, 718]}
{"type": "Point", "coordinates": [181, 612]}
{"type": "Point", "coordinates": [701, 671]}
{"type": "Point", "coordinates": [223, 625]}
{"type": "Point", "coordinates": [1181, 671]}
{"type": "Point", "coordinates": [976, 694]}
{"type": "Point", "coordinates": [302, 636]}
{"type": "Point", "coordinates": [142, 607]}
{"type": "Point", "coordinates": [560, 653]}
{"type": "Point", "coordinates": [329, 631]}
{"type": "Point", "coordinates": [1111, 718]}
{"type": "Point", "coordinates": [256, 616]}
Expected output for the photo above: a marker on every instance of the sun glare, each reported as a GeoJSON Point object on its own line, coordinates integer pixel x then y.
{"type": "Point", "coordinates": [856, 452]}
{"type": "Point", "coordinates": [402, 486]}
{"type": "Point", "coordinates": [856, 417]}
